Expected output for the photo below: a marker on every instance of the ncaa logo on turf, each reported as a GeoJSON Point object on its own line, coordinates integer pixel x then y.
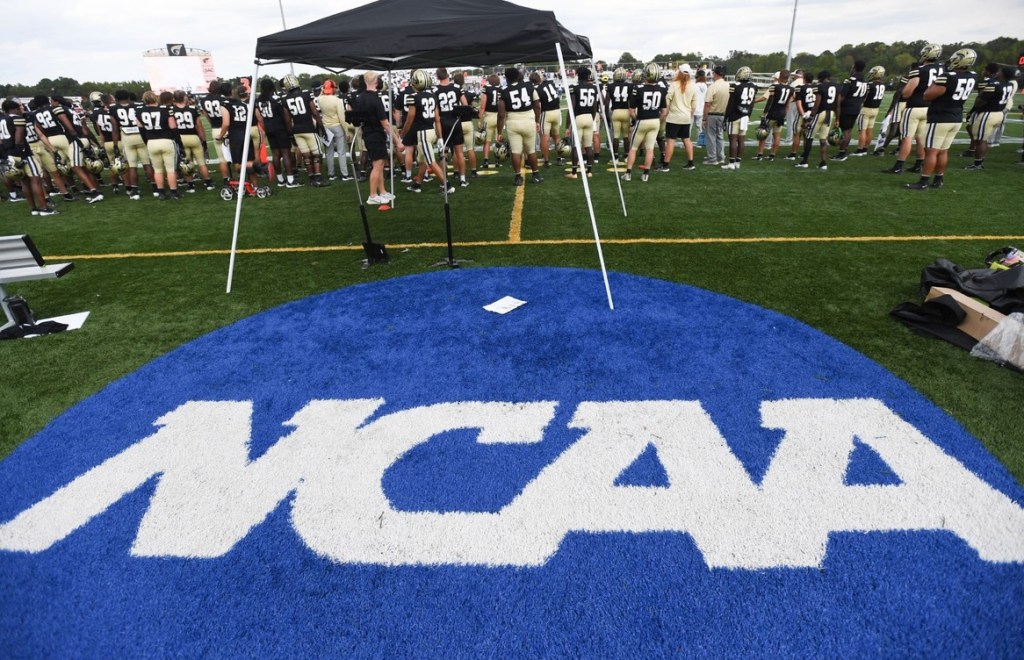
{"type": "Point", "coordinates": [388, 470]}
{"type": "Point", "coordinates": [211, 493]}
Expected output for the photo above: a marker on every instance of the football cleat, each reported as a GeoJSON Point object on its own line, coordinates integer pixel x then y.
{"type": "Point", "coordinates": [652, 72]}
{"type": "Point", "coordinates": [419, 80]}
{"type": "Point", "coordinates": [931, 52]}
{"type": "Point", "coordinates": [876, 73]}
{"type": "Point", "coordinates": [920, 185]}
{"type": "Point", "coordinates": [962, 59]}
{"type": "Point", "coordinates": [743, 73]}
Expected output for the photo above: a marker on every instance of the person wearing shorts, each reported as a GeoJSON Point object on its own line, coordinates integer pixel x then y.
{"type": "Point", "coordinates": [519, 112]}
{"type": "Point", "coordinates": [681, 104]}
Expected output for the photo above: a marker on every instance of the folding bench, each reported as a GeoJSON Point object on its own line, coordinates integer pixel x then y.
{"type": "Point", "coordinates": [20, 261]}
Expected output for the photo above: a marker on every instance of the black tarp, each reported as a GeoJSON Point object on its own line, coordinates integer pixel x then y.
{"type": "Point", "coordinates": [405, 34]}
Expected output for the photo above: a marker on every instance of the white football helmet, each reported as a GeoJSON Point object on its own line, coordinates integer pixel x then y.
{"type": "Point", "coordinates": [95, 97]}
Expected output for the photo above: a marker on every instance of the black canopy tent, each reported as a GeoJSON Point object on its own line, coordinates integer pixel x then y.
{"type": "Point", "coordinates": [405, 34]}
{"type": "Point", "coordinates": [415, 33]}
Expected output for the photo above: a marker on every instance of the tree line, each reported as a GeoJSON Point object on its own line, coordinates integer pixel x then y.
{"type": "Point", "coordinates": [895, 57]}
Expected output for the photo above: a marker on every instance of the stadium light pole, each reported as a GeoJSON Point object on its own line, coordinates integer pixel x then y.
{"type": "Point", "coordinates": [792, 27]}
{"type": "Point", "coordinates": [280, 5]}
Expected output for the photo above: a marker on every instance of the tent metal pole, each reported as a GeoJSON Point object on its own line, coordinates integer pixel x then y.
{"type": "Point", "coordinates": [586, 183]}
{"type": "Point", "coordinates": [611, 147]}
{"type": "Point", "coordinates": [391, 146]}
{"type": "Point", "coordinates": [241, 175]}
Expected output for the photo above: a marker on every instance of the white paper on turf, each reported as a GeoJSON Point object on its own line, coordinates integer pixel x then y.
{"type": "Point", "coordinates": [504, 305]}
{"type": "Point", "coordinates": [73, 321]}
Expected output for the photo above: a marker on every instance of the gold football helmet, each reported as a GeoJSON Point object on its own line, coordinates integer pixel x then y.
{"type": "Point", "coordinates": [419, 80]}
{"type": "Point", "coordinates": [743, 73]}
{"type": "Point", "coordinates": [652, 72]}
{"type": "Point", "coordinates": [931, 52]}
{"type": "Point", "coordinates": [962, 59]}
{"type": "Point", "coordinates": [876, 73]}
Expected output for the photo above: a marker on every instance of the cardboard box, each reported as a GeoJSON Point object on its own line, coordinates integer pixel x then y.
{"type": "Point", "coordinates": [980, 320]}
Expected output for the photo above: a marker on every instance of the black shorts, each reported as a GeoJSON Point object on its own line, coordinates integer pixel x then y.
{"type": "Point", "coordinates": [236, 141]}
{"type": "Point", "coordinates": [279, 139]}
{"type": "Point", "coordinates": [677, 131]}
{"type": "Point", "coordinates": [376, 146]}
{"type": "Point", "coordinates": [409, 139]}
{"type": "Point", "coordinates": [846, 122]}
{"type": "Point", "coordinates": [451, 130]}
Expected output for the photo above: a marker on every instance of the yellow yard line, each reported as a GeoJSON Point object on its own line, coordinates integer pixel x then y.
{"type": "Point", "coordinates": [515, 228]}
{"type": "Point", "coordinates": [541, 242]}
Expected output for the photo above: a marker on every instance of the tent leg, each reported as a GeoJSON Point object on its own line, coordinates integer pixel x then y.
{"type": "Point", "coordinates": [241, 177]}
{"type": "Point", "coordinates": [611, 149]}
{"type": "Point", "coordinates": [586, 183]}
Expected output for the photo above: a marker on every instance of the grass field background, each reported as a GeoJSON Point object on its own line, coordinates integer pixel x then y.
{"type": "Point", "coordinates": [835, 249]}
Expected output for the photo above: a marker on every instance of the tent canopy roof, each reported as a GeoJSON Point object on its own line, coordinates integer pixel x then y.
{"type": "Point", "coordinates": [405, 34]}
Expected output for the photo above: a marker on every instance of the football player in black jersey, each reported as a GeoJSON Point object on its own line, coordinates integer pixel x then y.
{"type": "Point", "coordinates": [422, 126]}
{"type": "Point", "coordinates": [550, 114]}
{"type": "Point", "coordinates": [519, 111]}
{"type": "Point", "coordinates": [804, 96]}
{"type": "Point", "coordinates": [647, 107]}
{"type": "Point", "coordinates": [618, 94]}
{"type": "Point", "coordinates": [742, 93]}
{"type": "Point", "coordinates": [987, 112]}
{"type": "Point", "coordinates": [278, 138]}
{"type": "Point", "coordinates": [851, 98]}
{"type": "Point", "coordinates": [193, 137]}
{"type": "Point", "coordinates": [103, 126]}
{"type": "Point", "coordinates": [210, 107]}
{"type": "Point", "coordinates": [584, 104]}
{"type": "Point", "coordinates": [53, 122]}
{"type": "Point", "coordinates": [490, 96]}
{"type": "Point", "coordinates": [14, 146]}
{"type": "Point", "coordinates": [234, 133]}
{"type": "Point", "coordinates": [304, 120]}
{"type": "Point", "coordinates": [128, 141]}
{"type": "Point", "coordinates": [468, 134]}
{"type": "Point", "coordinates": [914, 122]}
{"type": "Point", "coordinates": [946, 97]}
{"type": "Point", "coordinates": [822, 118]}
{"type": "Point", "coordinates": [780, 95]}
{"type": "Point", "coordinates": [162, 142]}
{"type": "Point", "coordinates": [449, 96]}
{"type": "Point", "coordinates": [869, 109]}
{"type": "Point", "coordinates": [403, 102]}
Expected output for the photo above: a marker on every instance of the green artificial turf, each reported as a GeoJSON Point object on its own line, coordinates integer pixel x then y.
{"type": "Point", "coordinates": [722, 226]}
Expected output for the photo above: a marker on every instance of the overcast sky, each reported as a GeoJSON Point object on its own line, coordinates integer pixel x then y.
{"type": "Point", "coordinates": [85, 41]}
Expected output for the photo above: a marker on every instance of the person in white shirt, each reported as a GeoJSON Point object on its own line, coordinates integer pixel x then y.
{"type": "Point", "coordinates": [332, 113]}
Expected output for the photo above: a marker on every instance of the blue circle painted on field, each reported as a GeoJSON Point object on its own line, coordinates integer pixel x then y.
{"type": "Point", "coordinates": [657, 548]}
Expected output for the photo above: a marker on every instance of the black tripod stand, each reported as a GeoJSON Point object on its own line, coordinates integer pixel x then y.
{"type": "Point", "coordinates": [375, 252]}
{"type": "Point", "coordinates": [462, 113]}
